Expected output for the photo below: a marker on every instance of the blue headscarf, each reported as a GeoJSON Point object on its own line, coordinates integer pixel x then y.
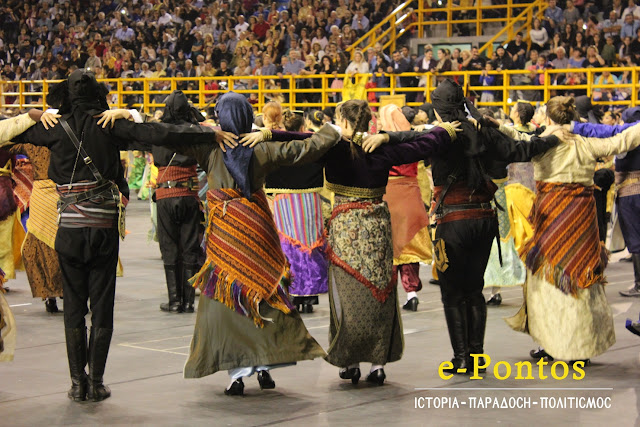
{"type": "Point", "coordinates": [236, 115]}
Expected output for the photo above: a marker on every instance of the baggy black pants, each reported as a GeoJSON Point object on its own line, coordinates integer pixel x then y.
{"type": "Point", "coordinates": [179, 230]}
{"type": "Point", "coordinates": [88, 259]}
{"type": "Point", "coordinates": [467, 246]}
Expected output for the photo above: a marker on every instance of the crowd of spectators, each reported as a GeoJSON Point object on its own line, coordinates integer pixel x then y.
{"type": "Point", "coordinates": [46, 39]}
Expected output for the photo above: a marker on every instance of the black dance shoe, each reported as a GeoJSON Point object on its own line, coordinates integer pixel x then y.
{"type": "Point", "coordinates": [51, 306]}
{"type": "Point", "coordinates": [377, 377]}
{"type": "Point", "coordinates": [460, 367]}
{"type": "Point", "coordinates": [265, 380]}
{"type": "Point", "coordinates": [540, 354]}
{"type": "Point", "coordinates": [586, 362]}
{"type": "Point", "coordinates": [236, 389]}
{"type": "Point", "coordinates": [352, 374]}
{"type": "Point", "coordinates": [495, 300]}
{"type": "Point", "coordinates": [306, 308]}
{"type": "Point", "coordinates": [434, 282]}
{"type": "Point", "coordinates": [98, 391]}
{"type": "Point", "coordinates": [411, 305]}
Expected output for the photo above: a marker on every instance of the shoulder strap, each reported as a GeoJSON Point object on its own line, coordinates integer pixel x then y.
{"type": "Point", "coordinates": [85, 157]}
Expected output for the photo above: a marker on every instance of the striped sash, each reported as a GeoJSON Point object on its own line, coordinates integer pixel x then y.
{"type": "Point", "coordinates": [245, 263]}
{"type": "Point", "coordinates": [565, 248]}
{"type": "Point", "coordinates": [100, 211]}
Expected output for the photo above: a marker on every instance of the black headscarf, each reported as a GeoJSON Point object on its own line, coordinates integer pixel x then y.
{"type": "Point", "coordinates": [235, 115]}
{"type": "Point", "coordinates": [179, 110]}
{"type": "Point", "coordinates": [587, 111]}
{"type": "Point", "coordinates": [450, 103]}
{"type": "Point", "coordinates": [81, 92]}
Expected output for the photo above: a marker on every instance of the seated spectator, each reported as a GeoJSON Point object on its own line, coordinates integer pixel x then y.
{"type": "Point", "coordinates": [576, 59]}
{"type": "Point", "coordinates": [538, 35]}
{"type": "Point", "coordinates": [629, 27]}
{"type": "Point", "coordinates": [358, 65]}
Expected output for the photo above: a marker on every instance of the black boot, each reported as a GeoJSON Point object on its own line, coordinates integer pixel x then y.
{"type": "Point", "coordinates": [77, 354]}
{"type": "Point", "coordinates": [175, 292]}
{"type": "Point", "coordinates": [51, 306]}
{"type": "Point", "coordinates": [457, 324]}
{"type": "Point", "coordinates": [188, 291]}
{"type": "Point", "coordinates": [477, 322]}
{"type": "Point", "coordinates": [98, 350]}
{"type": "Point", "coordinates": [635, 290]}
{"type": "Point", "coordinates": [265, 380]}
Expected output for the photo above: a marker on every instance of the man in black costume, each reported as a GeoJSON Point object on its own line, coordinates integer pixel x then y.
{"type": "Point", "coordinates": [466, 221]}
{"type": "Point", "coordinates": [179, 213]}
{"type": "Point", "coordinates": [85, 165]}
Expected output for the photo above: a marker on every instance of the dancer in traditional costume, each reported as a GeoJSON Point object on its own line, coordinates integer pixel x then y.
{"type": "Point", "coordinates": [245, 322]}
{"type": "Point", "coordinates": [85, 165]}
{"type": "Point", "coordinates": [365, 323]}
{"type": "Point", "coordinates": [466, 221]}
{"type": "Point", "coordinates": [505, 269]}
{"type": "Point", "coordinates": [565, 308]}
{"type": "Point", "coordinates": [38, 250]}
{"type": "Point", "coordinates": [409, 218]}
{"type": "Point", "coordinates": [297, 211]}
{"type": "Point", "coordinates": [178, 210]}
{"type": "Point", "coordinates": [627, 177]}
{"type": "Point", "coordinates": [9, 129]}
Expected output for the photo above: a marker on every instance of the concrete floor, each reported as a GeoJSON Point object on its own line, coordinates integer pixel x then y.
{"type": "Point", "coordinates": [149, 349]}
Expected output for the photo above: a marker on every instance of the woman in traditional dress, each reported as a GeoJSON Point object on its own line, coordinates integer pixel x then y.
{"type": "Point", "coordinates": [297, 211]}
{"type": "Point", "coordinates": [245, 322]}
{"type": "Point", "coordinates": [565, 308]}
{"type": "Point", "coordinates": [365, 324]}
{"type": "Point", "coordinates": [509, 271]}
{"type": "Point", "coordinates": [38, 251]}
{"type": "Point", "coordinates": [409, 218]}
{"type": "Point", "coordinates": [9, 129]}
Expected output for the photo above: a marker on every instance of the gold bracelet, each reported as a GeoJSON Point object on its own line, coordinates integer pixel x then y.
{"type": "Point", "coordinates": [267, 135]}
{"type": "Point", "coordinates": [450, 130]}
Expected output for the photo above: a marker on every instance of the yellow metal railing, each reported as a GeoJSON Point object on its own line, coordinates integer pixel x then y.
{"type": "Point", "coordinates": [404, 18]}
{"type": "Point", "coordinates": [18, 94]}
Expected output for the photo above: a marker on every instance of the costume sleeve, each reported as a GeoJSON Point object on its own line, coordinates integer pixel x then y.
{"type": "Point", "coordinates": [514, 134]}
{"type": "Point", "coordinates": [409, 150]}
{"type": "Point", "coordinates": [620, 143]}
{"type": "Point", "coordinates": [595, 130]}
{"type": "Point", "coordinates": [502, 147]}
{"type": "Point", "coordinates": [282, 135]}
{"type": "Point", "coordinates": [296, 152]}
{"type": "Point", "coordinates": [161, 133]}
{"type": "Point", "coordinates": [11, 128]}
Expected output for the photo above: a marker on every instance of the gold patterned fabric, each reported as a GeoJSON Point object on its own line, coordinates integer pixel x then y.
{"type": "Point", "coordinates": [43, 212]}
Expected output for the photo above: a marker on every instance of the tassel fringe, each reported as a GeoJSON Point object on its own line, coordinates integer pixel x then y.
{"type": "Point", "coordinates": [216, 284]}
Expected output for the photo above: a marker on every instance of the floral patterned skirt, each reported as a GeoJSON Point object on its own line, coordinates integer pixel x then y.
{"type": "Point", "coordinates": [365, 324]}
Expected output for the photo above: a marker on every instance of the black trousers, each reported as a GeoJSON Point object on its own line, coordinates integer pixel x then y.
{"type": "Point", "coordinates": [604, 179]}
{"type": "Point", "coordinates": [88, 259]}
{"type": "Point", "coordinates": [467, 246]}
{"type": "Point", "coordinates": [179, 230]}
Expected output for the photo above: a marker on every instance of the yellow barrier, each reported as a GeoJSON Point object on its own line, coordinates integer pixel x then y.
{"type": "Point", "coordinates": [517, 17]}
{"type": "Point", "coordinates": [510, 81]}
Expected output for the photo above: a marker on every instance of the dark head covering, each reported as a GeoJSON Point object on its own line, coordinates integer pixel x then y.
{"type": "Point", "coordinates": [428, 108]}
{"type": "Point", "coordinates": [587, 111]}
{"type": "Point", "coordinates": [409, 113]}
{"type": "Point", "coordinates": [235, 115]}
{"type": "Point", "coordinates": [178, 110]}
{"type": "Point", "coordinates": [81, 92]}
{"type": "Point", "coordinates": [631, 115]}
{"type": "Point", "coordinates": [450, 103]}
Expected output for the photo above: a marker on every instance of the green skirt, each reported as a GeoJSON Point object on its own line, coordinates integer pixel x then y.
{"type": "Point", "coordinates": [224, 339]}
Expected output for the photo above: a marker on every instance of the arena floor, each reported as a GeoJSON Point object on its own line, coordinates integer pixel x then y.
{"type": "Point", "coordinates": [149, 349]}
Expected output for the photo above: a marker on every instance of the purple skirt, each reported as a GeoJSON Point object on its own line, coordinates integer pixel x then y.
{"type": "Point", "coordinates": [298, 218]}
